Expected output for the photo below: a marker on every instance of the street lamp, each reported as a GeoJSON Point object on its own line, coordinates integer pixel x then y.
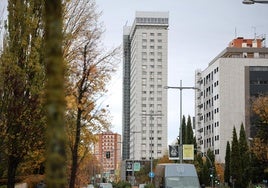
{"type": "Point", "coordinates": [212, 167]}
{"type": "Point", "coordinates": [180, 88]}
{"type": "Point", "coordinates": [133, 177]}
{"type": "Point", "coordinates": [250, 2]}
{"type": "Point", "coordinates": [151, 141]}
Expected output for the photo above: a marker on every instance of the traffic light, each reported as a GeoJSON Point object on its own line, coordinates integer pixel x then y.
{"type": "Point", "coordinates": [108, 155]}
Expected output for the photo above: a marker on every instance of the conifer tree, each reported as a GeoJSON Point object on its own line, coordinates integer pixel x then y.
{"type": "Point", "coordinates": [227, 163]}
{"type": "Point", "coordinates": [245, 157]}
{"type": "Point", "coordinates": [183, 124]}
{"type": "Point", "coordinates": [235, 162]}
{"type": "Point", "coordinates": [189, 132]}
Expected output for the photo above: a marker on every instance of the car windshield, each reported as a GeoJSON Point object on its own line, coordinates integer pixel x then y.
{"type": "Point", "coordinates": [106, 185]}
{"type": "Point", "coordinates": [185, 182]}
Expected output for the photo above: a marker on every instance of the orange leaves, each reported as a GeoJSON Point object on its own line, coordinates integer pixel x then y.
{"type": "Point", "coordinates": [260, 149]}
{"type": "Point", "coordinates": [220, 171]}
{"type": "Point", "coordinates": [260, 108]}
{"type": "Point", "coordinates": [71, 102]}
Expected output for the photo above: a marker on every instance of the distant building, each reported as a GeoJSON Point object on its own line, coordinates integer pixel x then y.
{"type": "Point", "coordinates": [227, 86]}
{"type": "Point", "coordinates": [144, 77]}
{"type": "Point", "coordinates": [108, 152]}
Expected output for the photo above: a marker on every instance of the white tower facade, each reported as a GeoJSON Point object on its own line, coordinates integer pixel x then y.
{"type": "Point", "coordinates": [145, 75]}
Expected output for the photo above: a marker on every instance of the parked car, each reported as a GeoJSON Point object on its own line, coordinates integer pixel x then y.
{"type": "Point", "coordinates": [90, 186]}
{"type": "Point", "coordinates": [105, 185]}
{"type": "Point", "coordinates": [142, 185]}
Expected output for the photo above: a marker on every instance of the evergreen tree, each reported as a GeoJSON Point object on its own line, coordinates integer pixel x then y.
{"type": "Point", "coordinates": [184, 135]}
{"type": "Point", "coordinates": [235, 162]}
{"type": "Point", "coordinates": [189, 132]}
{"type": "Point", "coordinates": [244, 156]}
{"type": "Point", "coordinates": [227, 163]}
{"type": "Point", "coordinates": [205, 178]}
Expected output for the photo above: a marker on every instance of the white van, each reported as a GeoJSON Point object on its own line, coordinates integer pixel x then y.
{"type": "Point", "coordinates": [174, 175]}
{"type": "Point", "coordinates": [105, 185]}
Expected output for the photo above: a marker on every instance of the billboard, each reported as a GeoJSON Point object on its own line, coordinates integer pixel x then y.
{"type": "Point", "coordinates": [188, 152]}
{"type": "Point", "coordinates": [173, 152]}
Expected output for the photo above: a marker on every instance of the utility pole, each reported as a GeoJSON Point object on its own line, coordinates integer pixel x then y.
{"type": "Point", "coordinates": [151, 115]}
{"type": "Point", "coordinates": [180, 88]}
{"type": "Point", "coordinates": [133, 176]}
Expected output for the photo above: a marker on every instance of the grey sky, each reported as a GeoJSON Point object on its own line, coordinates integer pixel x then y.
{"type": "Point", "coordinates": [198, 31]}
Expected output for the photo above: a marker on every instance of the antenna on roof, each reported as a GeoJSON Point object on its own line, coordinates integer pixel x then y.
{"type": "Point", "coordinates": [254, 32]}
{"type": "Point", "coordinates": [126, 23]}
{"type": "Point", "coordinates": [235, 33]}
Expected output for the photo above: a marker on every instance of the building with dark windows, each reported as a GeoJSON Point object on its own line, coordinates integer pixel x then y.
{"type": "Point", "coordinates": [144, 77]}
{"type": "Point", "coordinates": [227, 86]}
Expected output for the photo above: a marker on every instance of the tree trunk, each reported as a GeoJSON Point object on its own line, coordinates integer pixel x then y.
{"type": "Point", "coordinates": [12, 167]}
{"type": "Point", "coordinates": [75, 150]}
{"type": "Point", "coordinates": [55, 97]}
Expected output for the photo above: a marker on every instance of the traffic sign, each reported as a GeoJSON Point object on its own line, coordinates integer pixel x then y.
{"type": "Point", "coordinates": [137, 166]}
{"type": "Point", "coordinates": [151, 174]}
{"type": "Point", "coordinates": [129, 166]}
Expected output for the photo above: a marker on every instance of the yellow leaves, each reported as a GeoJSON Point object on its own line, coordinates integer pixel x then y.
{"type": "Point", "coordinates": [260, 108]}
{"type": "Point", "coordinates": [71, 102]}
{"type": "Point", "coordinates": [260, 149]}
{"type": "Point", "coordinates": [220, 171]}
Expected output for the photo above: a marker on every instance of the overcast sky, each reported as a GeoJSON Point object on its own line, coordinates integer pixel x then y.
{"type": "Point", "coordinates": [198, 31]}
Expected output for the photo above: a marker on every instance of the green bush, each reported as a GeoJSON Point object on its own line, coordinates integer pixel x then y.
{"type": "Point", "coordinates": [149, 185]}
{"type": "Point", "coordinates": [122, 184]}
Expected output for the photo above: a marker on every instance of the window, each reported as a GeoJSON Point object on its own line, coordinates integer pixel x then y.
{"type": "Point", "coordinates": [143, 80]}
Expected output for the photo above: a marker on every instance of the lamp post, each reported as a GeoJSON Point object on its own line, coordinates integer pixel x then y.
{"type": "Point", "coordinates": [133, 180]}
{"type": "Point", "coordinates": [250, 2]}
{"type": "Point", "coordinates": [151, 141]}
{"type": "Point", "coordinates": [212, 167]}
{"type": "Point", "coordinates": [180, 88]}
